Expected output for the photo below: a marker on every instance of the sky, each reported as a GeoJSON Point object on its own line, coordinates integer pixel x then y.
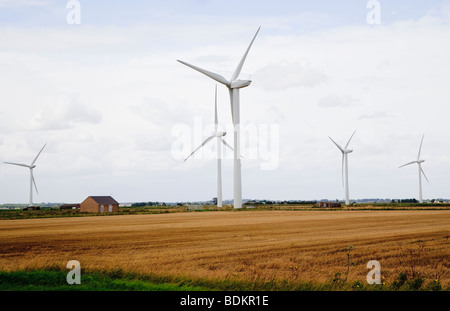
{"type": "Point", "coordinates": [119, 114]}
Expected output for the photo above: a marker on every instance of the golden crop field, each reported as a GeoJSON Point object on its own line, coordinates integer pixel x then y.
{"type": "Point", "coordinates": [243, 245]}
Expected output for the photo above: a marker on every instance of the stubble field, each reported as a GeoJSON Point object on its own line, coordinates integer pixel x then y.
{"type": "Point", "coordinates": [296, 246]}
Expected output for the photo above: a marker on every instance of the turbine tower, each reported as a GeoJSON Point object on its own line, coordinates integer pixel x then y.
{"type": "Point", "coordinates": [32, 181]}
{"type": "Point", "coordinates": [219, 139]}
{"type": "Point", "coordinates": [345, 151]}
{"type": "Point", "coordinates": [419, 164]}
{"type": "Point", "coordinates": [233, 85]}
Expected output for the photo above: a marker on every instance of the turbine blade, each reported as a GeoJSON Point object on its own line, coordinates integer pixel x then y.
{"type": "Point", "coordinates": [226, 144]}
{"type": "Point", "coordinates": [408, 164]}
{"type": "Point", "coordinates": [32, 163]}
{"type": "Point", "coordinates": [210, 74]}
{"type": "Point", "coordinates": [237, 72]}
{"type": "Point", "coordinates": [34, 182]}
{"type": "Point", "coordinates": [204, 143]}
{"type": "Point", "coordinates": [424, 174]}
{"type": "Point", "coordinates": [337, 145]}
{"type": "Point", "coordinates": [420, 148]}
{"type": "Point", "coordinates": [231, 104]}
{"type": "Point", "coordinates": [346, 146]}
{"type": "Point", "coordinates": [343, 155]}
{"type": "Point", "coordinates": [24, 165]}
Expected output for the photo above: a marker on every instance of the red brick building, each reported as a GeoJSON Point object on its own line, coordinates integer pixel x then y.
{"type": "Point", "coordinates": [99, 204]}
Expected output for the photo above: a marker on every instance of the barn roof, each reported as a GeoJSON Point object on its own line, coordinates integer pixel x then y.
{"type": "Point", "coordinates": [104, 200]}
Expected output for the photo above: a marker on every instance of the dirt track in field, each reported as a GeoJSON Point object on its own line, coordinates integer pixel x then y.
{"type": "Point", "coordinates": [247, 245]}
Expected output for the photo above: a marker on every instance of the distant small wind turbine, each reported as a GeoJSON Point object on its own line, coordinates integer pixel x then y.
{"type": "Point", "coordinates": [219, 138]}
{"type": "Point", "coordinates": [233, 85]}
{"type": "Point", "coordinates": [345, 152]}
{"type": "Point", "coordinates": [32, 181]}
{"type": "Point", "coordinates": [419, 163]}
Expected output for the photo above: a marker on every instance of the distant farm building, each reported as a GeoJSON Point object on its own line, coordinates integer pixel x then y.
{"type": "Point", "coordinates": [75, 206]}
{"type": "Point", "coordinates": [329, 204]}
{"type": "Point", "coordinates": [99, 204]}
{"type": "Point", "coordinates": [32, 208]}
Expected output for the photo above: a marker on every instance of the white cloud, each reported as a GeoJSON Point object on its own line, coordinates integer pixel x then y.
{"type": "Point", "coordinates": [83, 38]}
{"type": "Point", "coordinates": [335, 100]}
{"type": "Point", "coordinates": [285, 75]}
{"type": "Point", "coordinates": [22, 3]}
{"type": "Point", "coordinates": [160, 112]}
{"type": "Point", "coordinates": [374, 115]}
{"type": "Point", "coordinates": [65, 113]}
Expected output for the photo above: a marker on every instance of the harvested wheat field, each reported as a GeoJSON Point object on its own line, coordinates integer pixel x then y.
{"type": "Point", "coordinates": [242, 245]}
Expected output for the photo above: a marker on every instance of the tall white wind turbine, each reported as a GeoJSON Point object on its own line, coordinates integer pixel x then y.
{"type": "Point", "coordinates": [233, 85]}
{"type": "Point", "coordinates": [32, 181]}
{"type": "Point", "coordinates": [219, 139]}
{"type": "Point", "coordinates": [419, 164]}
{"type": "Point", "coordinates": [345, 151]}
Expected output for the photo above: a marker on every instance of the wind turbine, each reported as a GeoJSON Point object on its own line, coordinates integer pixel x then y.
{"type": "Point", "coordinates": [233, 85]}
{"type": "Point", "coordinates": [345, 151]}
{"type": "Point", "coordinates": [419, 163]}
{"type": "Point", "coordinates": [32, 181]}
{"type": "Point", "coordinates": [219, 139]}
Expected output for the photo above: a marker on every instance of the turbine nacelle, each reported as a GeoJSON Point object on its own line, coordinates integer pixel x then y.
{"type": "Point", "coordinates": [344, 150]}
{"type": "Point", "coordinates": [220, 134]}
{"type": "Point", "coordinates": [216, 134]}
{"type": "Point", "coordinates": [233, 82]}
{"type": "Point", "coordinates": [239, 84]}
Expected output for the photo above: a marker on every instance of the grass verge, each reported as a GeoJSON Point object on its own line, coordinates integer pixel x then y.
{"type": "Point", "coordinates": [117, 280]}
{"type": "Point", "coordinates": [53, 280]}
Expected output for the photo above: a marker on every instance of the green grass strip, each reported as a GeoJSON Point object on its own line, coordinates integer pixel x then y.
{"type": "Point", "coordinates": [118, 280]}
{"type": "Point", "coordinates": [41, 280]}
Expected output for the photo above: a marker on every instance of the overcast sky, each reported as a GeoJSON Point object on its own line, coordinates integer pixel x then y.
{"type": "Point", "coordinates": [111, 101]}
